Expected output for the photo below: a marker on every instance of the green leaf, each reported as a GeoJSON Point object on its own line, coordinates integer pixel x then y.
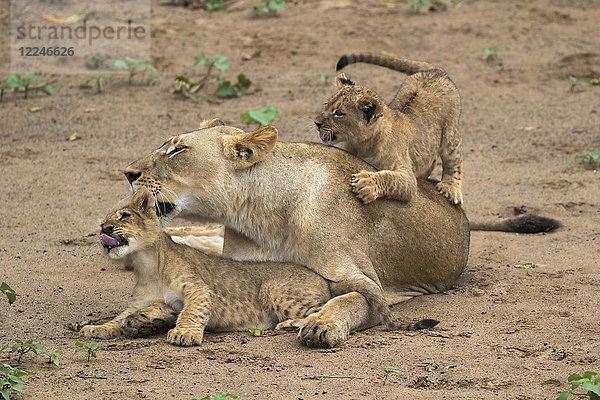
{"type": "Point", "coordinates": [243, 81]}
{"type": "Point", "coordinates": [573, 377]}
{"type": "Point", "coordinates": [121, 64]}
{"type": "Point", "coordinates": [221, 62]}
{"type": "Point", "coordinates": [14, 81]}
{"type": "Point", "coordinates": [591, 387]}
{"type": "Point", "coordinates": [264, 115]}
{"type": "Point", "coordinates": [564, 395]}
{"type": "Point", "coordinates": [49, 90]}
{"type": "Point", "coordinates": [254, 332]}
{"type": "Point", "coordinates": [5, 394]}
{"type": "Point", "coordinates": [225, 89]}
{"type": "Point", "coordinates": [200, 59]}
{"type": "Point", "coordinates": [276, 5]}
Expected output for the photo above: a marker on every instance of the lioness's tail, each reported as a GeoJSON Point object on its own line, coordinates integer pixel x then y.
{"type": "Point", "coordinates": [403, 65]}
{"type": "Point", "coordinates": [422, 324]}
{"type": "Point", "coordinates": [523, 224]}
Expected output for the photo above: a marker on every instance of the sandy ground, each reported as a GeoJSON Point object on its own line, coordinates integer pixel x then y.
{"type": "Point", "coordinates": [505, 332]}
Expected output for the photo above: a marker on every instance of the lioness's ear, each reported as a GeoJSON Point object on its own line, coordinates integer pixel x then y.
{"type": "Point", "coordinates": [369, 108]}
{"type": "Point", "coordinates": [342, 80]}
{"type": "Point", "coordinates": [143, 201]}
{"type": "Point", "coordinates": [246, 149]}
{"type": "Point", "coordinates": [211, 123]}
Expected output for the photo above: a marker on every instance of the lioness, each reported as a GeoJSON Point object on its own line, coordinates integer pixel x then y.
{"type": "Point", "coordinates": [288, 202]}
{"type": "Point", "coordinates": [208, 292]}
{"type": "Point", "coordinates": [403, 139]}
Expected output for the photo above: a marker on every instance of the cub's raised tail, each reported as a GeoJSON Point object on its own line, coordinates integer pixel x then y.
{"type": "Point", "coordinates": [523, 224]}
{"type": "Point", "coordinates": [403, 65]}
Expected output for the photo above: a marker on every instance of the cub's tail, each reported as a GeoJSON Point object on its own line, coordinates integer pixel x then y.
{"type": "Point", "coordinates": [523, 224]}
{"type": "Point", "coordinates": [403, 65]}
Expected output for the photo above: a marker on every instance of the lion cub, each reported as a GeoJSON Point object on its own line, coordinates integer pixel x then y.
{"type": "Point", "coordinates": [206, 292]}
{"type": "Point", "coordinates": [403, 139]}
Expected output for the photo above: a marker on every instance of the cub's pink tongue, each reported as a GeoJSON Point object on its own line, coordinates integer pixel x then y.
{"type": "Point", "coordinates": [108, 241]}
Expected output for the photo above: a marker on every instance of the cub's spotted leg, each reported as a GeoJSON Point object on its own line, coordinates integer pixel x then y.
{"type": "Point", "coordinates": [150, 320]}
{"type": "Point", "coordinates": [334, 322]}
{"type": "Point", "coordinates": [400, 184]}
{"type": "Point", "coordinates": [189, 330]}
{"type": "Point", "coordinates": [287, 300]}
{"type": "Point", "coordinates": [112, 328]}
{"type": "Point", "coordinates": [450, 186]}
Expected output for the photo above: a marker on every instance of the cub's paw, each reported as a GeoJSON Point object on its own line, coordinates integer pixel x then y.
{"type": "Point", "coordinates": [141, 324]}
{"type": "Point", "coordinates": [99, 331]}
{"type": "Point", "coordinates": [364, 186]}
{"type": "Point", "coordinates": [451, 191]}
{"type": "Point", "coordinates": [316, 331]}
{"type": "Point", "coordinates": [185, 336]}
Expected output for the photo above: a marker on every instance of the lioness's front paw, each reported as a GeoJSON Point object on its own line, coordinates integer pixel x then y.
{"type": "Point", "coordinates": [451, 191]}
{"type": "Point", "coordinates": [99, 331]}
{"type": "Point", "coordinates": [364, 186]}
{"type": "Point", "coordinates": [185, 336]}
{"type": "Point", "coordinates": [316, 331]}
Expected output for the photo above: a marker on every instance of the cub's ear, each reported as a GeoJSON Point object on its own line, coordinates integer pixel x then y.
{"type": "Point", "coordinates": [246, 149]}
{"type": "Point", "coordinates": [342, 80]}
{"type": "Point", "coordinates": [211, 123]}
{"type": "Point", "coordinates": [143, 201]}
{"type": "Point", "coordinates": [369, 107]}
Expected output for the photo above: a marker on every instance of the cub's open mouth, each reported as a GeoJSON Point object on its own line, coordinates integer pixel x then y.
{"type": "Point", "coordinates": [327, 138]}
{"type": "Point", "coordinates": [109, 242]}
{"type": "Point", "coordinates": [163, 208]}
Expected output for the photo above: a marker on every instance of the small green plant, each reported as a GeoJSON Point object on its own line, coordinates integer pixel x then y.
{"type": "Point", "coordinates": [10, 380]}
{"type": "Point", "coordinates": [417, 4]}
{"type": "Point", "coordinates": [254, 332]}
{"type": "Point", "coordinates": [90, 385]}
{"type": "Point", "coordinates": [20, 348]}
{"type": "Point", "coordinates": [386, 372]}
{"type": "Point", "coordinates": [53, 357]}
{"type": "Point", "coordinates": [96, 61]}
{"type": "Point", "coordinates": [219, 396]}
{"type": "Point", "coordinates": [136, 67]}
{"type": "Point", "coordinates": [591, 159]}
{"type": "Point", "coordinates": [24, 83]}
{"type": "Point", "coordinates": [575, 83]}
{"type": "Point", "coordinates": [90, 347]}
{"type": "Point", "coordinates": [215, 5]}
{"type": "Point", "coordinates": [263, 116]}
{"type": "Point", "coordinates": [587, 383]}
{"type": "Point", "coordinates": [268, 7]}
{"type": "Point", "coordinates": [188, 88]}
{"type": "Point", "coordinates": [595, 81]}
{"type": "Point", "coordinates": [8, 292]}
{"type": "Point", "coordinates": [97, 81]}
{"type": "Point", "coordinates": [492, 53]}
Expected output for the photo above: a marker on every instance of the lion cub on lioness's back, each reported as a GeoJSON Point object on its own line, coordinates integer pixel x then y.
{"type": "Point", "coordinates": [206, 291]}
{"type": "Point", "coordinates": [403, 139]}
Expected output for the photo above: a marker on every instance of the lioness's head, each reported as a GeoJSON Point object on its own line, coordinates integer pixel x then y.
{"type": "Point", "coordinates": [131, 228]}
{"type": "Point", "coordinates": [348, 113]}
{"type": "Point", "coordinates": [192, 171]}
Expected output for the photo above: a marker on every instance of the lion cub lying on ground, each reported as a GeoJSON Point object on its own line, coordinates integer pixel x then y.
{"type": "Point", "coordinates": [207, 292]}
{"type": "Point", "coordinates": [403, 139]}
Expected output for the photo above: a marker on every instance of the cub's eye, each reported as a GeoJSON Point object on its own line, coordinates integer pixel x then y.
{"type": "Point", "coordinates": [176, 150]}
{"type": "Point", "coordinates": [337, 113]}
{"type": "Point", "coordinates": [124, 215]}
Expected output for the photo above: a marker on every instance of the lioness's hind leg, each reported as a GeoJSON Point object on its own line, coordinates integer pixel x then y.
{"type": "Point", "coordinates": [156, 318]}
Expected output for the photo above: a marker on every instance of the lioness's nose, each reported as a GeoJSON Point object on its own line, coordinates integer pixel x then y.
{"type": "Point", "coordinates": [318, 124]}
{"type": "Point", "coordinates": [132, 176]}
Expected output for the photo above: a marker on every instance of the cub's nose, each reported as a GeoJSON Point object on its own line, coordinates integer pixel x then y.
{"type": "Point", "coordinates": [318, 124]}
{"type": "Point", "coordinates": [132, 176]}
{"type": "Point", "coordinates": [108, 230]}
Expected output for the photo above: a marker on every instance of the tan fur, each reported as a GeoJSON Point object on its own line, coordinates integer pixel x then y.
{"type": "Point", "coordinates": [403, 139]}
{"type": "Point", "coordinates": [211, 292]}
{"type": "Point", "coordinates": [293, 206]}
